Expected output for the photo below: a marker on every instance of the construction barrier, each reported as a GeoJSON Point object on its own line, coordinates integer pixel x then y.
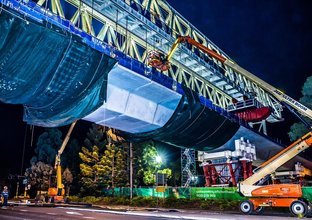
{"type": "Point", "coordinates": [147, 192]}
{"type": "Point", "coordinates": [307, 193]}
{"type": "Point", "coordinates": [228, 193]}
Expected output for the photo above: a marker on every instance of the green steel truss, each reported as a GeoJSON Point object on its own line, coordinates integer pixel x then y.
{"type": "Point", "coordinates": [118, 23]}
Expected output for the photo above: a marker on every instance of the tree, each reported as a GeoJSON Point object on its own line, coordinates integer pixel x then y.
{"type": "Point", "coordinates": [102, 169]}
{"type": "Point", "coordinates": [175, 166]}
{"type": "Point", "coordinates": [67, 180]}
{"type": "Point", "coordinates": [70, 156]}
{"type": "Point", "coordinates": [39, 175]}
{"type": "Point", "coordinates": [297, 130]}
{"type": "Point", "coordinates": [147, 163]}
{"type": "Point", "coordinates": [104, 164]}
{"type": "Point", "coordinates": [93, 170]}
{"type": "Point", "coordinates": [115, 159]}
{"type": "Point", "coordinates": [121, 166]}
{"type": "Point", "coordinates": [47, 146]}
{"type": "Point", "coordinates": [96, 137]}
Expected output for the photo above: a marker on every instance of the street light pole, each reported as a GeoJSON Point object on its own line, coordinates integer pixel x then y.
{"type": "Point", "coordinates": [131, 171]}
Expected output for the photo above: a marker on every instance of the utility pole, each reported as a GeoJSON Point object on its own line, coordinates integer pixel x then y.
{"type": "Point", "coordinates": [131, 171]}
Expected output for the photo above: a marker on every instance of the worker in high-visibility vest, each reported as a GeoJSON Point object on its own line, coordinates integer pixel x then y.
{"type": "Point", "coordinates": [5, 195]}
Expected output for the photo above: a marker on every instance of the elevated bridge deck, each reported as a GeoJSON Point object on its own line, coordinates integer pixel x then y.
{"type": "Point", "coordinates": [132, 97]}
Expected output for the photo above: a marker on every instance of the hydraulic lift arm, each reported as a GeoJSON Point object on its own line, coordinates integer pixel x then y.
{"type": "Point", "coordinates": [57, 165]}
{"type": "Point", "coordinates": [163, 63]}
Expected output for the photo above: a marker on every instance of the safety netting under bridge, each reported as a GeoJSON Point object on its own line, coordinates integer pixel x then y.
{"type": "Point", "coordinates": [50, 71]}
{"type": "Point", "coordinates": [192, 125]}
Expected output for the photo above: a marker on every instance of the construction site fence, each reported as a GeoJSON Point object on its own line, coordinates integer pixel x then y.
{"type": "Point", "coordinates": [228, 193]}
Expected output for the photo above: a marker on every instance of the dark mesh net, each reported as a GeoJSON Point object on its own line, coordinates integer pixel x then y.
{"type": "Point", "coordinates": [192, 125]}
{"type": "Point", "coordinates": [51, 72]}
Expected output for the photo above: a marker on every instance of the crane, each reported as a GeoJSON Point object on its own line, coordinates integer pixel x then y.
{"type": "Point", "coordinates": [57, 194]}
{"type": "Point", "coordinates": [162, 63]}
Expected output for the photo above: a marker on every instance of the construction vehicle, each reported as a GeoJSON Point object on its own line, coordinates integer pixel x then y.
{"type": "Point", "coordinates": [56, 194]}
{"type": "Point", "coordinates": [279, 195]}
{"type": "Point", "coordinates": [161, 62]}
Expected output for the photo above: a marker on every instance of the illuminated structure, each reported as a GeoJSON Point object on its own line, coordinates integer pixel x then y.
{"type": "Point", "coordinates": [86, 59]}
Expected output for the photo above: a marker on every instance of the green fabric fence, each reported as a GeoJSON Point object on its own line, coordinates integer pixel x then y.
{"type": "Point", "coordinates": [228, 193]}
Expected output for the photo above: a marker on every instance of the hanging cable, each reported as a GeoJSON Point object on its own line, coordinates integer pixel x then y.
{"type": "Point", "coordinates": [32, 128]}
{"type": "Point", "coordinates": [24, 146]}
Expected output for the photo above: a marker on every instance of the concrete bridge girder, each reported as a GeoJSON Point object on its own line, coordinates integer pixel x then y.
{"type": "Point", "coordinates": [134, 103]}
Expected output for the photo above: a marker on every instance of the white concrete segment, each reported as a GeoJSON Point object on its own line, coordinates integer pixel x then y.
{"type": "Point", "coordinates": [134, 103]}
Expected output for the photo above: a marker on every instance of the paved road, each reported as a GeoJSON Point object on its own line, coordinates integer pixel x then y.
{"type": "Point", "coordinates": [43, 213]}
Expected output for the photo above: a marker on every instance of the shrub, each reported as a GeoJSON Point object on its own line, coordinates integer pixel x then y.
{"type": "Point", "coordinates": [154, 202]}
{"type": "Point", "coordinates": [120, 201]}
{"type": "Point", "coordinates": [91, 199]}
{"type": "Point", "coordinates": [73, 198]}
{"type": "Point", "coordinates": [144, 201]}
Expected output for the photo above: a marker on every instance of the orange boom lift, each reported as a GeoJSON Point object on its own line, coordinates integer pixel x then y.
{"type": "Point", "coordinates": [279, 195]}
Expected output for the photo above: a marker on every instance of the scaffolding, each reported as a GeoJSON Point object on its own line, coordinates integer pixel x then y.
{"type": "Point", "coordinates": [188, 167]}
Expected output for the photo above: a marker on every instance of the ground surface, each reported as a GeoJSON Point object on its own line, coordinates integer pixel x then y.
{"type": "Point", "coordinates": [76, 213]}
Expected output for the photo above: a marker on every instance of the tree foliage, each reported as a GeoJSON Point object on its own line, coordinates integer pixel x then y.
{"type": "Point", "coordinates": [49, 142]}
{"type": "Point", "coordinates": [102, 169]}
{"type": "Point", "coordinates": [39, 175]}
{"type": "Point", "coordinates": [67, 176]}
{"type": "Point", "coordinates": [70, 156]}
{"type": "Point", "coordinates": [67, 180]}
{"type": "Point", "coordinates": [297, 130]}
{"type": "Point", "coordinates": [148, 165]}
{"type": "Point", "coordinates": [47, 146]}
{"type": "Point", "coordinates": [96, 136]}
{"type": "Point", "coordinates": [92, 170]}
{"type": "Point", "coordinates": [116, 158]}
{"type": "Point", "coordinates": [103, 166]}
{"type": "Point", "coordinates": [167, 172]}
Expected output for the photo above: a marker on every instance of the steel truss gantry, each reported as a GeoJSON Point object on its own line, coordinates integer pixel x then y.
{"type": "Point", "coordinates": [137, 27]}
{"type": "Point", "coordinates": [188, 167]}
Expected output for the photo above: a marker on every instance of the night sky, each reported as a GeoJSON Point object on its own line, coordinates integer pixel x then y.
{"type": "Point", "coordinates": [272, 39]}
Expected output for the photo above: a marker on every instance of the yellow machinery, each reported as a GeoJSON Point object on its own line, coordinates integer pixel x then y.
{"type": "Point", "coordinates": [57, 194]}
